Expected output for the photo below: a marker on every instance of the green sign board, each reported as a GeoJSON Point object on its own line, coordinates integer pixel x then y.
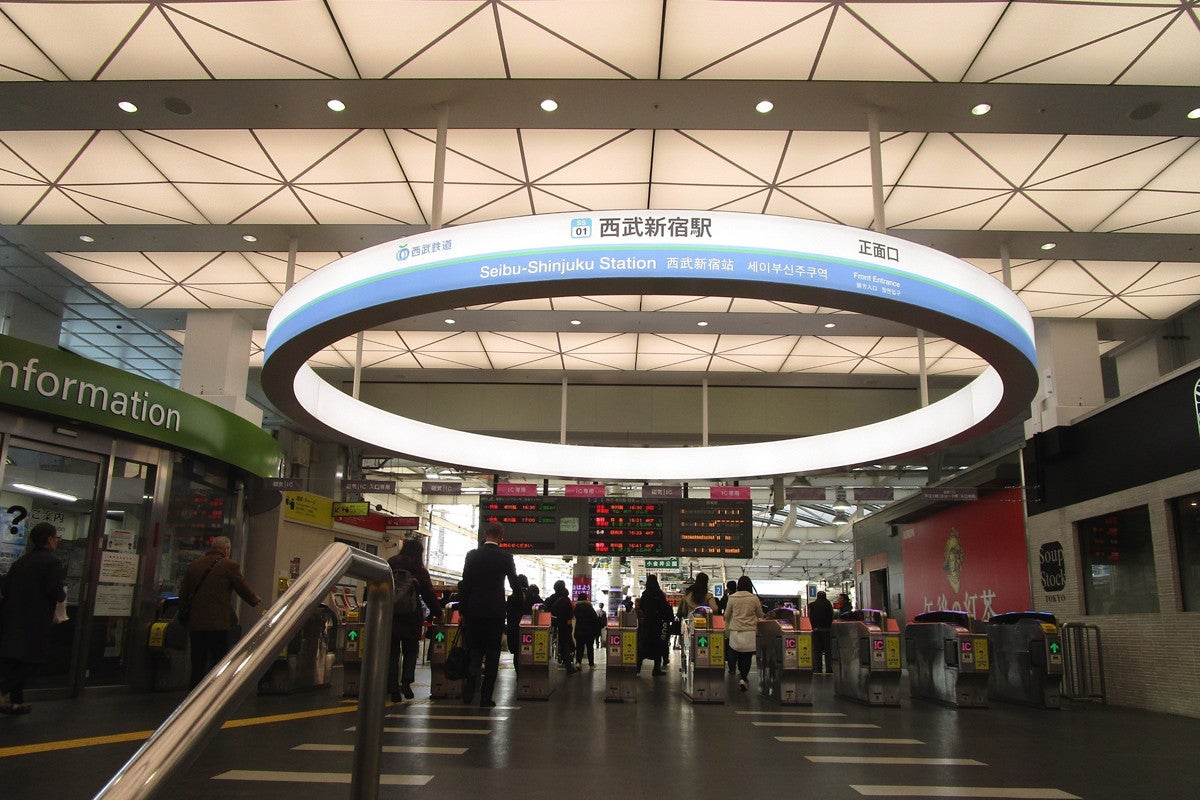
{"type": "Point", "coordinates": [48, 381]}
{"type": "Point", "coordinates": [662, 563]}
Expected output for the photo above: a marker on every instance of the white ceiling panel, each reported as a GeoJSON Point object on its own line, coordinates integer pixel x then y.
{"type": "Point", "coordinates": [620, 33]}
{"type": "Point", "coordinates": [469, 49]}
{"type": "Point", "coordinates": [851, 51]}
{"type": "Point", "coordinates": [98, 28]}
{"type": "Point", "coordinates": [906, 26]}
{"type": "Point", "coordinates": [153, 48]}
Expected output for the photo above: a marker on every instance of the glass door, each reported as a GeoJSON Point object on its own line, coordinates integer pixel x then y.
{"type": "Point", "coordinates": [111, 648]}
{"type": "Point", "coordinates": [42, 483]}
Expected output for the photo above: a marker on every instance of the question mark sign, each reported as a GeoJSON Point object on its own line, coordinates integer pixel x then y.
{"type": "Point", "coordinates": [19, 513]}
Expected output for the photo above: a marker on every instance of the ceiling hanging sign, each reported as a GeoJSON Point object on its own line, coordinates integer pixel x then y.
{"type": "Point", "coordinates": [729, 492]}
{"type": "Point", "coordinates": [351, 509]}
{"type": "Point", "coordinates": [402, 523]}
{"type": "Point", "coordinates": [724, 254]}
{"type": "Point", "coordinates": [585, 490]}
{"type": "Point", "coordinates": [805, 494]}
{"type": "Point", "coordinates": [661, 492]}
{"type": "Point", "coordinates": [374, 487]}
{"type": "Point", "coordinates": [441, 487]}
{"type": "Point", "coordinates": [873, 494]}
{"type": "Point", "coordinates": [516, 490]}
{"type": "Point", "coordinates": [285, 484]}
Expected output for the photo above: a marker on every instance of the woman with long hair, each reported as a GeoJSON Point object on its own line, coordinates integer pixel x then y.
{"type": "Point", "coordinates": [653, 613]}
{"type": "Point", "coordinates": [742, 613]}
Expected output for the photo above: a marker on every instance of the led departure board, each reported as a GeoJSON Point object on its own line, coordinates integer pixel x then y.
{"type": "Point", "coordinates": [535, 525]}
{"type": "Point", "coordinates": [618, 526]}
{"type": "Point", "coordinates": [625, 527]}
{"type": "Point", "coordinates": [714, 528]}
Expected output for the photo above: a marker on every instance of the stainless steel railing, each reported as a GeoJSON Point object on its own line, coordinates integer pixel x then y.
{"type": "Point", "coordinates": [179, 739]}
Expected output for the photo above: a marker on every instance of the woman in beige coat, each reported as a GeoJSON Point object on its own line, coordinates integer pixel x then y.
{"type": "Point", "coordinates": [742, 613]}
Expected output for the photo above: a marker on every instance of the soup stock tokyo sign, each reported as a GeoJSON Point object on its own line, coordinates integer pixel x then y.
{"type": "Point", "coordinates": [654, 252]}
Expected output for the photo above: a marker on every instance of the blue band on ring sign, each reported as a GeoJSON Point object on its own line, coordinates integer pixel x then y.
{"type": "Point", "coordinates": [660, 252]}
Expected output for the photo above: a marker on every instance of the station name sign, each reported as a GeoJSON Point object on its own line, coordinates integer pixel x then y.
{"type": "Point", "coordinates": [375, 487]}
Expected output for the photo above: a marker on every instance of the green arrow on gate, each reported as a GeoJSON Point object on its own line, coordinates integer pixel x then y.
{"type": "Point", "coordinates": [440, 636]}
{"type": "Point", "coordinates": [702, 641]}
{"type": "Point", "coordinates": [352, 635]}
{"type": "Point", "coordinates": [1054, 648]}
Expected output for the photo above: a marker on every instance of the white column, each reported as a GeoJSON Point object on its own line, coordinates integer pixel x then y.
{"type": "Point", "coordinates": [1068, 353]}
{"type": "Point", "coordinates": [216, 355]}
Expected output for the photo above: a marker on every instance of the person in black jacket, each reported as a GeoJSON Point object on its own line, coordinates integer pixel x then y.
{"type": "Point", "coordinates": [406, 627]}
{"type": "Point", "coordinates": [515, 608]}
{"type": "Point", "coordinates": [481, 604]}
{"type": "Point", "coordinates": [820, 614]}
{"type": "Point", "coordinates": [33, 587]}
{"type": "Point", "coordinates": [654, 612]}
{"type": "Point", "coordinates": [587, 626]}
{"type": "Point", "coordinates": [562, 612]}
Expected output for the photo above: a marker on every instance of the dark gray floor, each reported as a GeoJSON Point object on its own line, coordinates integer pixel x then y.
{"type": "Point", "coordinates": [576, 746]}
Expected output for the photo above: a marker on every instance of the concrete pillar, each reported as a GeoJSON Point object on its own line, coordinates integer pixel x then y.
{"type": "Point", "coordinates": [21, 318]}
{"type": "Point", "coordinates": [1139, 366]}
{"type": "Point", "coordinates": [1068, 353]}
{"type": "Point", "coordinates": [216, 356]}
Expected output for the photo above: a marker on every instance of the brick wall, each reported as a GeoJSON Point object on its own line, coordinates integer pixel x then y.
{"type": "Point", "coordinates": [1151, 661]}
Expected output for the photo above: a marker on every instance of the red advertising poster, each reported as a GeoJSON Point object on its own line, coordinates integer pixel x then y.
{"type": "Point", "coordinates": [970, 557]}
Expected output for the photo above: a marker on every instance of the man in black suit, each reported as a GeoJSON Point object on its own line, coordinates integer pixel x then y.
{"type": "Point", "coordinates": [481, 603]}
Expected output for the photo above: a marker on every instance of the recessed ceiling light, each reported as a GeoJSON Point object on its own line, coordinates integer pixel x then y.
{"type": "Point", "coordinates": [1194, 113]}
{"type": "Point", "coordinates": [83, 237]}
{"type": "Point", "coordinates": [549, 105]}
{"type": "Point", "coordinates": [576, 322]}
{"type": "Point", "coordinates": [702, 324]}
{"type": "Point", "coordinates": [336, 105]}
{"type": "Point", "coordinates": [830, 324]}
{"type": "Point", "coordinates": [980, 109]}
{"type": "Point", "coordinates": [448, 321]}
{"type": "Point", "coordinates": [1049, 246]}
{"type": "Point", "coordinates": [764, 106]}
{"type": "Point", "coordinates": [127, 107]}
{"type": "Point", "coordinates": [249, 238]}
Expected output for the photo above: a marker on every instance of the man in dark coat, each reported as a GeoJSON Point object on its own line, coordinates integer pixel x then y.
{"type": "Point", "coordinates": [33, 587]}
{"type": "Point", "coordinates": [406, 627]}
{"type": "Point", "coordinates": [820, 614]}
{"type": "Point", "coordinates": [209, 581]}
{"type": "Point", "coordinates": [481, 604]}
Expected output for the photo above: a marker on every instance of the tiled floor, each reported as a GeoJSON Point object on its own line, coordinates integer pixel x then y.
{"type": "Point", "coordinates": [576, 746]}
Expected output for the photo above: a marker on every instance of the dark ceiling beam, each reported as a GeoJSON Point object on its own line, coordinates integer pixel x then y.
{"type": "Point", "coordinates": [600, 104]}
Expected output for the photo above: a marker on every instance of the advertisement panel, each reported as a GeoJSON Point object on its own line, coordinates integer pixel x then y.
{"type": "Point", "coordinates": [970, 557]}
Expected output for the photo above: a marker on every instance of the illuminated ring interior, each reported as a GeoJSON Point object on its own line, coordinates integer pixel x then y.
{"type": "Point", "coordinates": [466, 266]}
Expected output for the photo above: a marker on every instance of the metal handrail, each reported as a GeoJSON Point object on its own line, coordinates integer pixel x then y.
{"type": "Point", "coordinates": [178, 740]}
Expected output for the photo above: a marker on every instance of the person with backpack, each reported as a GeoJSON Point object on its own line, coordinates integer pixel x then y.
{"type": "Point", "coordinates": [413, 585]}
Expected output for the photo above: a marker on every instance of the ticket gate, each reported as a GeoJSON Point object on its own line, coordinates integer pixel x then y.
{"type": "Point", "coordinates": [538, 656]}
{"type": "Point", "coordinates": [703, 655]}
{"type": "Point", "coordinates": [866, 657]}
{"type": "Point", "coordinates": [620, 667]}
{"type": "Point", "coordinates": [1027, 658]}
{"type": "Point", "coordinates": [948, 661]}
{"type": "Point", "coordinates": [444, 634]}
{"type": "Point", "coordinates": [352, 653]}
{"type": "Point", "coordinates": [785, 657]}
{"type": "Point", "coordinates": [306, 662]}
{"type": "Point", "coordinates": [167, 645]}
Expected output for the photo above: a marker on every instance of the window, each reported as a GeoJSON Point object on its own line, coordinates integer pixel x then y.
{"type": "Point", "coordinates": [1187, 537]}
{"type": "Point", "coordinates": [1118, 562]}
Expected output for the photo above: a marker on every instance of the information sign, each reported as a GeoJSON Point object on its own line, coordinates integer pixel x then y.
{"type": "Point", "coordinates": [535, 525]}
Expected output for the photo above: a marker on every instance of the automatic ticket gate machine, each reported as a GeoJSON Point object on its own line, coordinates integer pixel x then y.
{"type": "Point", "coordinates": [785, 657]}
{"type": "Point", "coordinates": [1027, 658]}
{"type": "Point", "coordinates": [444, 634]}
{"type": "Point", "coordinates": [352, 652]}
{"type": "Point", "coordinates": [703, 656]}
{"type": "Point", "coordinates": [948, 658]}
{"type": "Point", "coordinates": [865, 647]}
{"type": "Point", "coordinates": [536, 659]}
{"type": "Point", "coordinates": [620, 667]}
